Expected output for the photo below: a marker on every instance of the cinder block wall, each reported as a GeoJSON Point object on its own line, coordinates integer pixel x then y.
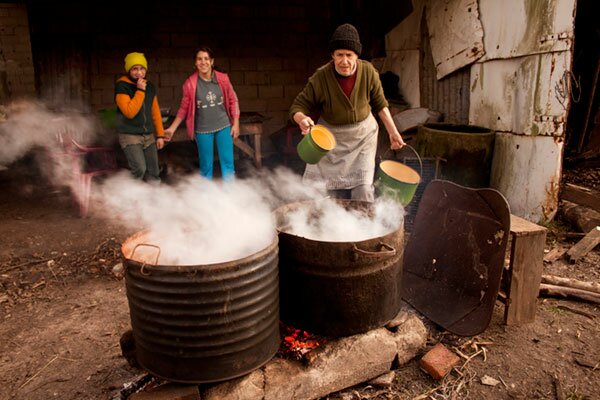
{"type": "Point", "coordinates": [16, 65]}
{"type": "Point", "coordinates": [268, 51]}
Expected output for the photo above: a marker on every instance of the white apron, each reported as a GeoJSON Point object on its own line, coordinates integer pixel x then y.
{"type": "Point", "coordinates": [352, 161]}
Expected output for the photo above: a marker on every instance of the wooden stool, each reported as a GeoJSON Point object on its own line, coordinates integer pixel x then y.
{"type": "Point", "coordinates": [522, 277]}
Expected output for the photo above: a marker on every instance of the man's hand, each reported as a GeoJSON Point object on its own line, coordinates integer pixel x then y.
{"type": "Point", "coordinates": [160, 143]}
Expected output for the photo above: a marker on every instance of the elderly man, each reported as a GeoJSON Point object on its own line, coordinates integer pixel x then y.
{"type": "Point", "coordinates": [345, 92]}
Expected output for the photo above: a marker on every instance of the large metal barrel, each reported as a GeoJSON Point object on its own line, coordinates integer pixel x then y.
{"type": "Point", "coordinates": [339, 288]}
{"type": "Point", "coordinates": [466, 150]}
{"type": "Point", "coordinates": [202, 323]}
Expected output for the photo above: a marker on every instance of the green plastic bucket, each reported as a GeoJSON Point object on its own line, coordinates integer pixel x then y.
{"type": "Point", "coordinates": [398, 181]}
{"type": "Point", "coordinates": [315, 144]}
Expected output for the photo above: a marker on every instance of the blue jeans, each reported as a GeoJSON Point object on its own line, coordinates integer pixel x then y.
{"type": "Point", "coordinates": [205, 143]}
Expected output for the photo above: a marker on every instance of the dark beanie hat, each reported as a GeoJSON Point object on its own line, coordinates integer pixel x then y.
{"type": "Point", "coordinates": [345, 37]}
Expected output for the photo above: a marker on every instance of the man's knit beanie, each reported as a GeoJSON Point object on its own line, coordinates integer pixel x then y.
{"type": "Point", "coordinates": [345, 37]}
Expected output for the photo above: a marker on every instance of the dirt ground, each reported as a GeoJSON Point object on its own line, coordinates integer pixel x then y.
{"type": "Point", "coordinates": [63, 312]}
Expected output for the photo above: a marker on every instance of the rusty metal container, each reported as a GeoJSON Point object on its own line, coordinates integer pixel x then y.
{"type": "Point", "coordinates": [339, 288]}
{"type": "Point", "coordinates": [466, 151]}
{"type": "Point", "coordinates": [202, 323]}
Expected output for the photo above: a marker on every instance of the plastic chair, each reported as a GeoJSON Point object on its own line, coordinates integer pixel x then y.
{"type": "Point", "coordinates": [86, 162]}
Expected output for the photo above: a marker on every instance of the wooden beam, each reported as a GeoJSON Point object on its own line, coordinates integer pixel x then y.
{"type": "Point", "coordinates": [585, 245]}
{"type": "Point", "coordinates": [581, 195]}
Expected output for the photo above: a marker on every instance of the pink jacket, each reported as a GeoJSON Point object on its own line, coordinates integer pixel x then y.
{"type": "Point", "coordinates": [187, 109]}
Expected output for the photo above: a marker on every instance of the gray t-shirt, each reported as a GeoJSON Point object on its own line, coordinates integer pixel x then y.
{"type": "Point", "coordinates": [211, 115]}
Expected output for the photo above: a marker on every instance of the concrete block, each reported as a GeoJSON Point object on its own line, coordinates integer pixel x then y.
{"type": "Point", "coordinates": [249, 387]}
{"type": "Point", "coordinates": [169, 391]}
{"type": "Point", "coordinates": [336, 365]}
{"type": "Point", "coordinates": [246, 91]}
{"type": "Point", "coordinates": [270, 92]}
{"type": "Point", "coordinates": [243, 64]}
{"type": "Point", "coordinates": [341, 363]}
{"type": "Point", "coordinates": [256, 78]}
{"type": "Point", "coordinates": [411, 337]}
{"type": "Point", "coordinates": [269, 64]}
{"type": "Point", "coordinates": [438, 361]}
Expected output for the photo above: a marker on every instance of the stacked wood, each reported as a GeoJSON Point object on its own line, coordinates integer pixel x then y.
{"type": "Point", "coordinates": [570, 288]}
{"type": "Point", "coordinates": [581, 217]}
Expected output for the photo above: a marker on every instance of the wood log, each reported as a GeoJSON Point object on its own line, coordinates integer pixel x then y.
{"type": "Point", "coordinates": [569, 293]}
{"type": "Point", "coordinates": [581, 195]}
{"type": "Point", "coordinates": [585, 245]}
{"type": "Point", "coordinates": [582, 218]}
{"type": "Point", "coordinates": [572, 283]}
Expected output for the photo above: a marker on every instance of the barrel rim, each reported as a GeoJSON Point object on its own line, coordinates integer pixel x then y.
{"type": "Point", "coordinates": [221, 265]}
{"type": "Point", "coordinates": [376, 239]}
{"type": "Point", "coordinates": [458, 129]}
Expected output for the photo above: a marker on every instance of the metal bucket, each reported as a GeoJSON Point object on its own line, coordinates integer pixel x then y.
{"type": "Point", "coordinates": [339, 288]}
{"type": "Point", "coordinates": [202, 323]}
{"type": "Point", "coordinates": [315, 144]}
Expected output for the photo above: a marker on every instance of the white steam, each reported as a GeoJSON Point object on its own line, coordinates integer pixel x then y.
{"type": "Point", "coordinates": [30, 125]}
{"type": "Point", "coordinates": [327, 220]}
{"type": "Point", "coordinates": [195, 221]}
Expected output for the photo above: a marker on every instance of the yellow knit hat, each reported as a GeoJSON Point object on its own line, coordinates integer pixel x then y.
{"type": "Point", "coordinates": [132, 59]}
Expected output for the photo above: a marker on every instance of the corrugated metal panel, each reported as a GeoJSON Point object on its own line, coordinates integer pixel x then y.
{"type": "Point", "coordinates": [526, 169]}
{"type": "Point", "coordinates": [525, 95]}
{"type": "Point", "coordinates": [515, 28]}
{"type": "Point", "coordinates": [450, 95]}
{"type": "Point", "coordinates": [455, 33]}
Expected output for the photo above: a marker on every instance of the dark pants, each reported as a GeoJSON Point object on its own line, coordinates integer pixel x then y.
{"type": "Point", "coordinates": [142, 156]}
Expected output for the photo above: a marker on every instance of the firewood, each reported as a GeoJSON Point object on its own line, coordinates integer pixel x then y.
{"type": "Point", "coordinates": [583, 218]}
{"type": "Point", "coordinates": [585, 245]}
{"type": "Point", "coordinates": [572, 283]}
{"type": "Point", "coordinates": [555, 254]}
{"type": "Point", "coordinates": [569, 293]}
{"type": "Point", "coordinates": [581, 195]}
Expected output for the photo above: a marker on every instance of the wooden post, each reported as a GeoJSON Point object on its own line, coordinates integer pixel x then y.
{"type": "Point", "coordinates": [525, 271]}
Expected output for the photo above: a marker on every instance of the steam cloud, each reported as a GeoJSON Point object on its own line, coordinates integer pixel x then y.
{"type": "Point", "coordinates": [194, 221]}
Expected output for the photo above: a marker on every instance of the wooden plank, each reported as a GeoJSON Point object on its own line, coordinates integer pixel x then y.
{"type": "Point", "coordinates": [555, 254]}
{"type": "Point", "coordinates": [526, 265]}
{"type": "Point", "coordinates": [585, 245]}
{"type": "Point", "coordinates": [522, 227]}
{"type": "Point", "coordinates": [581, 195]}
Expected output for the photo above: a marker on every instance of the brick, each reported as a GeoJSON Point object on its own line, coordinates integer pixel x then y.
{"type": "Point", "coordinates": [438, 361]}
{"type": "Point", "coordinates": [169, 391]}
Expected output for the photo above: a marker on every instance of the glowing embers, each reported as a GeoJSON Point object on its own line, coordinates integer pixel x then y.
{"type": "Point", "coordinates": [296, 343]}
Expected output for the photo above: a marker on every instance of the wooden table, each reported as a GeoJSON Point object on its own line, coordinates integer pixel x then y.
{"type": "Point", "coordinates": [251, 124]}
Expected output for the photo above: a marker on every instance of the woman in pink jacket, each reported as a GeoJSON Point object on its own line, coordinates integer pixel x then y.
{"type": "Point", "coordinates": [211, 112]}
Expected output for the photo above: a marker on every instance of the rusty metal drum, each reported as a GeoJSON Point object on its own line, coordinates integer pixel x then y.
{"type": "Point", "coordinates": [339, 288]}
{"type": "Point", "coordinates": [202, 323]}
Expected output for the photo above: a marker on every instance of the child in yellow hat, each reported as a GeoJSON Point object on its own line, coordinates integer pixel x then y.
{"type": "Point", "coordinates": [139, 121]}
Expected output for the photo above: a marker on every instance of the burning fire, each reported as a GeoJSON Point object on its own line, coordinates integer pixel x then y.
{"type": "Point", "coordinates": [296, 343]}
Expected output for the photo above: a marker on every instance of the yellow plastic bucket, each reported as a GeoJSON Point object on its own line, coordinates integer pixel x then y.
{"type": "Point", "coordinates": [315, 144]}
